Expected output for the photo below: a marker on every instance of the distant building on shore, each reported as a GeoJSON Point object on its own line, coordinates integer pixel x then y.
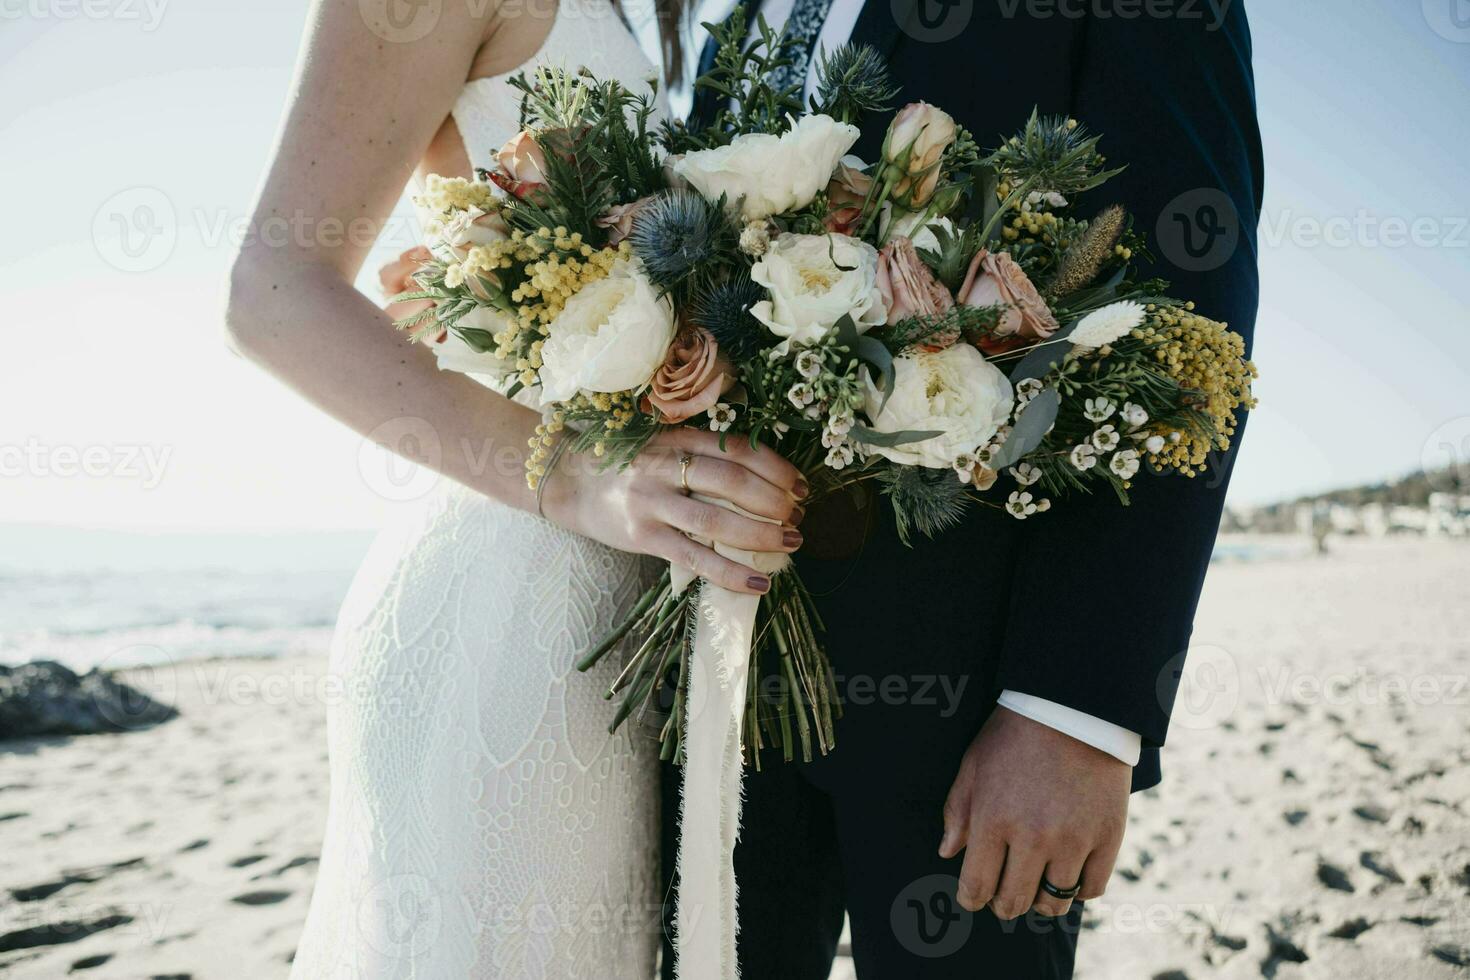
{"type": "Point", "coordinates": [1425, 504]}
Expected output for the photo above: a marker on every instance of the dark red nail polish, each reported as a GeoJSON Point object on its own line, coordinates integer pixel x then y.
{"type": "Point", "coordinates": [801, 489]}
{"type": "Point", "coordinates": [791, 539]}
{"type": "Point", "coordinates": [797, 513]}
{"type": "Point", "coordinates": [758, 583]}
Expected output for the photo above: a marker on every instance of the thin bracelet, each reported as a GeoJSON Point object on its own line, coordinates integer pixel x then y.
{"type": "Point", "coordinates": [556, 455]}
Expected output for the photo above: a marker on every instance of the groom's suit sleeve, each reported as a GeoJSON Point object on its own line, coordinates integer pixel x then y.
{"type": "Point", "coordinates": [1105, 595]}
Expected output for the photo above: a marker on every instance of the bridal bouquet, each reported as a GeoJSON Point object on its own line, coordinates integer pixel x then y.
{"type": "Point", "coordinates": [933, 323]}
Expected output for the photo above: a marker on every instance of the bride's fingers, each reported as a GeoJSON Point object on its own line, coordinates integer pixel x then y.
{"type": "Point", "coordinates": [727, 527]}
{"type": "Point", "coordinates": [742, 487]}
{"type": "Point", "coordinates": [394, 278]}
{"type": "Point", "coordinates": [762, 460]}
{"type": "Point", "coordinates": [671, 545]}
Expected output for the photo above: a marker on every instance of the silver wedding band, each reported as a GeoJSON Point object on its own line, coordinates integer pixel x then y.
{"type": "Point", "coordinates": [684, 462]}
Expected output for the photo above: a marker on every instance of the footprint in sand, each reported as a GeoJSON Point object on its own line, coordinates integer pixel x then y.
{"type": "Point", "coordinates": [291, 865]}
{"type": "Point", "coordinates": [59, 933]}
{"type": "Point", "coordinates": [1371, 812]}
{"type": "Point", "coordinates": [90, 962]}
{"type": "Point", "coordinates": [1453, 955]}
{"type": "Point", "coordinates": [261, 898]}
{"type": "Point", "coordinates": [80, 876]}
{"type": "Point", "coordinates": [1351, 929]}
{"type": "Point", "coordinates": [1282, 950]}
{"type": "Point", "coordinates": [1379, 865]}
{"type": "Point", "coordinates": [1334, 877]}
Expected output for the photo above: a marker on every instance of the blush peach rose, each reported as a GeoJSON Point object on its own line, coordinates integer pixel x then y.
{"type": "Point", "coordinates": [619, 219]}
{"type": "Point", "coordinates": [993, 279]}
{"type": "Point", "coordinates": [522, 165]}
{"type": "Point", "coordinates": [693, 376]}
{"type": "Point", "coordinates": [908, 287]}
{"type": "Point", "coordinates": [846, 194]}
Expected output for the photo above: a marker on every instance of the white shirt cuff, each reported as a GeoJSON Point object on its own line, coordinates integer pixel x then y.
{"type": "Point", "coordinates": [1113, 739]}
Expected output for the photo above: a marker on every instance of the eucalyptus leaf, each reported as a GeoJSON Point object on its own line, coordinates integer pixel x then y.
{"type": "Point", "coordinates": [1045, 356]}
{"type": "Point", "coordinates": [847, 335]}
{"type": "Point", "coordinates": [988, 183]}
{"type": "Point", "coordinates": [1036, 418]}
{"type": "Point", "coordinates": [888, 440]}
{"type": "Point", "coordinates": [870, 351]}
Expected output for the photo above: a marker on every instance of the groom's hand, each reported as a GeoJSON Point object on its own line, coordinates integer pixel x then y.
{"type": "Point", "coordinates": [1030, 802]}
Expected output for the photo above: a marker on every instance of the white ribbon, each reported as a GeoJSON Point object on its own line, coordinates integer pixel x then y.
{"type": "Point", "coordinates": [706, 919]}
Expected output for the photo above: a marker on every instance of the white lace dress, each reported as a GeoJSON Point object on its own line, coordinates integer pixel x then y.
{"type": "Point", "coordinates": [483, 822]}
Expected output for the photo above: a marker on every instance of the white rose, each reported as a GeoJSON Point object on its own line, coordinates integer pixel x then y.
{"type": "Point", "coordinates": [611, 336]}
{"type": "Point", "coordinates": [767, 174]}
{"type": "Point", "coordinates": [461, 230]}
{"type": "Point", "coordinates": [906, 223]}
{"type": "Point", "coordinates": [955, 391]}
{"type": "Point", "coordinates": [487, 367]}
{"type": "Point", "coordinates": [815, 279]}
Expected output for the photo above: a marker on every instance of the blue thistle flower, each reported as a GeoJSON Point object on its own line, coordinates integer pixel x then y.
{"type": "Point", "coordinates": [675, 233]}
{"type": "Point", "coordinates": [924, 500]}
{"type": "Point", "coordinates": [853, 81]}
{"type": "Point", "coordinates": [723, 308]}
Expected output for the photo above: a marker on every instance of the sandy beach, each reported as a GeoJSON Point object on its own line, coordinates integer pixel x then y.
{"type": "Point", "coordinates": [1314, 821]}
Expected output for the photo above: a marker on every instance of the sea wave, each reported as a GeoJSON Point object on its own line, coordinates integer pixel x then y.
{"type": "Point", "coordinates": [162, 643]}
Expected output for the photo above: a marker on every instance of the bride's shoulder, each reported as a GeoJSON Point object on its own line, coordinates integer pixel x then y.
{"type": "Point", "coordinates": [515, 31]}
{"type": "Point", "coordinates": [590, 34]}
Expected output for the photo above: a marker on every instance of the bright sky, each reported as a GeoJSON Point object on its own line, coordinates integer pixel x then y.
{"type": "Point", "coordinates": [119, 405]}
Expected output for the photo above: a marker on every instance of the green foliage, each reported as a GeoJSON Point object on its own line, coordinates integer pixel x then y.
{"type": "Point", "coordinates": [598, 150]}
{"type": "Point", "coordinates": [1052, 153]}
{"type": "Point", "coordinates": [740, 77]}
{"type": "Point", "coordinates": [619, 446]}
{"type": "Point", "coordinates": [852, 82]}
{"type": "Point", "coordinates": [924, 500]}
{"type": "Point", "coordinates": [940, 330]}
{"type": "Point", "coordinates": [952, 260]}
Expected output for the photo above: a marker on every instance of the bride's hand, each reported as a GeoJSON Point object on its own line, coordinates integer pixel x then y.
{"type": "Point", "coordinates": [643, 507]}
{"type": "Point", "coordinates": [397, 277]}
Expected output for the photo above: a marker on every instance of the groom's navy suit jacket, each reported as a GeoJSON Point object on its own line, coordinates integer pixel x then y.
{"type": "Point", "coordinates": [1090, 605]}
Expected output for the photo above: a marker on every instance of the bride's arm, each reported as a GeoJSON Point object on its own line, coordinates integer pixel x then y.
{"type": "Point", "coordinates": [361, 112]}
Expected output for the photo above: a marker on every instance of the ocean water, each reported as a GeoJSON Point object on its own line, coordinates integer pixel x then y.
{"type": "Point", "coordinates": [91, 598]}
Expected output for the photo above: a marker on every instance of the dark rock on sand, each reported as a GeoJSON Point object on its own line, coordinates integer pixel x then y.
{"type": "Point", "coordinates": [45, 698]}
